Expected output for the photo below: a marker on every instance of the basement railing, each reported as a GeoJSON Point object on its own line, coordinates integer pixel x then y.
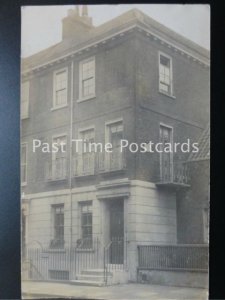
{"type": "Point", "coordinates": [191, 257]}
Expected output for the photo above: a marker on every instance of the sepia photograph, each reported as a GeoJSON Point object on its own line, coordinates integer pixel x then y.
{"type": "Point", "coordinates": [115, 151]}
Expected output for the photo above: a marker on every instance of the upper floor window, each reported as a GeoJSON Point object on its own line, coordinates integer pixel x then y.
{"type": "Point", "coordinates": [59, 158]}
{"type": "Point", "coordinates": [25, 89]}
{"type": "Point", "coordinates": [85, 163]}
{"type": "Point", "coordinates": [165, 74]}
{"type": "Point", "coordinates": [23, 164]}
{"type": "Point", "coordinates": [114, 135]}
{"type": "Point", "coordinates": [60, 88]}
{"type": "Point", "coordinates": [87, 79]}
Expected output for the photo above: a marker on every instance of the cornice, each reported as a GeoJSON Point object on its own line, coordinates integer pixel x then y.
{"type": "Point", "coordinates": [119, 34]}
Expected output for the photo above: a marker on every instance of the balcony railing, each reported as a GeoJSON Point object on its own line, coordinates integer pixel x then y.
{"type": "Point", "coordinates": [176, 173]}
{"type": "Point", "coordinates": [113, 161]}
{"type": "Point", "coordinates": [92, 163]}
{"type": "Point", "coordinates": [84, 164]}
{"type": "Point", "coordinates": [56, 169]}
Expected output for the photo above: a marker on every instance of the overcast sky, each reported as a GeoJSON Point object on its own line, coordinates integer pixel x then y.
{"type": "Point", "coordinates": [41, 25]}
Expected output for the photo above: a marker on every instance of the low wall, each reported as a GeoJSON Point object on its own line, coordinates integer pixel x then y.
{"type": "Point", "coordinates": [174, 278]}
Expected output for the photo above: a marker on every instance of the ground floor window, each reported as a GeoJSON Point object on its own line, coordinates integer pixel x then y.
{"type": "Point", "coordinates": [58, 216]}
{"type": "Point", "coordinates": [86, 224]}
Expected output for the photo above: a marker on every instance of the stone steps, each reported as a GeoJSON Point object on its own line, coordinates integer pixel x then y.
{"type": "Point", "coordinates": [87, 282]}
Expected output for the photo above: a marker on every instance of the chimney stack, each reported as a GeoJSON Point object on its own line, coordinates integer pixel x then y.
{"type": "Point", "coordinates": [84, 11]}
{"type": "Point", "coordinates": [76, 25]}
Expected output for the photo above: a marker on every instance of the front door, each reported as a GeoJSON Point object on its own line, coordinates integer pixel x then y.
{"type": "Point", "coordinates": [117, 231]}
{"type": "Point", "coordinates": [166, 158]}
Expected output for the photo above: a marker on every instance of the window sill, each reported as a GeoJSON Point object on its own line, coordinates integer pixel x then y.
{"type": "Point", "coordinates": [83, 175]}
{"type": "Point", "coordinates": [108, 171]}
{"type": "Point", "coordinates": [59, 107]}
{"type": "Point", "coordinates": [168, 95]}
{"type": "Point", "coordinates": [86, 98]}
{"type": "Point", "coordinates": [85, 250]}
{"type": "Point", "coordinates": [62, 250]}
{"type": "Point", "coordinates": [24, 117]}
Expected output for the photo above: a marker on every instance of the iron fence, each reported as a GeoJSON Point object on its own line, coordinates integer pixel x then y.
{"type": "Point", "coordinates": [64, 264]}
{"type": "Point", "coordinates": [114, 256]}
{"type": "Point", "coordinates": [173, 257]}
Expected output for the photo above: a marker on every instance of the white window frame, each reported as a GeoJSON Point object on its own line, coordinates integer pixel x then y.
{"type": "Point", "coordinates": [91, 96]}
{"type": "Point", "coordinates": [54, 88]}
{"type": "Point", "coordinates": [107, 138]}
{"type": "Point", "coordinates": [80, 136]}
{"type": "Point", "coordinates": [170, 93]}
{"type": "Point", "coordinates": [56, 136]}
{"type": "Point", "coordinates": [53, 158]}
{"type": "Point", "coordinates": [81, 204]}
{"type": "Point", "coordinates": [53, 206]}
{"type": "Point", "coordinates": [171, 153]}
{"type": "Point", "coordinates": [23, 183]}
{"type": "Point", "coordinates": [25, 115]}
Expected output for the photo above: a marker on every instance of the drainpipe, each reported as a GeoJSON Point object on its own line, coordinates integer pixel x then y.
{"type": "Point", "coordinates": [71, 157]}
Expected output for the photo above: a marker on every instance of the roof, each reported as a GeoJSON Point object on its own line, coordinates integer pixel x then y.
{"type": "Point", "coordinates": [203, 145]}
{"type": "Point", "coordinates": [133, 17]}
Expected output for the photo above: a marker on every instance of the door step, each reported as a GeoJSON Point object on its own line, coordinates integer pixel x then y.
{"type": "Point", "coordinates": [97, 272]}
{"type": "Point", "coordinates": [87, 282]}
{"type": "Point", "coordinates": [92, 277]}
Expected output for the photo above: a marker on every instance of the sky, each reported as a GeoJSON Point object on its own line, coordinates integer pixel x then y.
{"type": "Point", "coordinates": [41, 25]}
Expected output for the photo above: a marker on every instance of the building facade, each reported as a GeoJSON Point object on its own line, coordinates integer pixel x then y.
{"type": "Point", "coordinates": [130, 78]}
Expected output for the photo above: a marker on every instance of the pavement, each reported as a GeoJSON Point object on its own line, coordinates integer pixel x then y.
{"type": "Point", "coordinates": [41, 290]}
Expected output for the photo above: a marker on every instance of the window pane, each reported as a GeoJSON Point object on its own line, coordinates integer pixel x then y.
{"type": "Point", "coordinates": [164, 61]}
{"type": "Point", "coordinates": [164, 74]}
{"type": "Point", "coordinates": [61, 97]}
{"type": "Point", "coordinates": [88, 78]}
{"type": "Point", "coordinates": [59, 222]}
{"type": "Point", "coordinates": [164, 87]}
{"type": "Point", "coordinates": [61, 80]}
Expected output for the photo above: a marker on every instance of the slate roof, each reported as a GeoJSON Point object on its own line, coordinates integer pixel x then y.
{"type": "Point", "coordinates": [204, 146]}
{"type": "Point", "coordinates": [132, 17]}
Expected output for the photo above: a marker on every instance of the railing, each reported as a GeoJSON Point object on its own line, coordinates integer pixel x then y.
{"type": "Point", "coordinates": [84, 164]}
{"type": "Point", "coordinates": [65, 264]}
{"type": "Point", "coordinates": [106, 261]}
{"type": "Point", "coordinates": [56, 169]}
{"type": "Point", "coordinates": [113, 256]}
{"type": "Point", "coordinates": [96, 162]}
{"type": "Point", "coordinates": [33, 272]}
{"type": "Point", "coordinates": [111, 161]}
{"type": "Point", "coordinates": [176, 172]}
{"type": "Point", "coordinates": [173, 257]}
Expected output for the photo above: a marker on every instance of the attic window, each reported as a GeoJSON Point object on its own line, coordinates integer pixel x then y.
{"type": "Point", "coordinates": [60, 88]}
{"type": "Point", "coordinates": [165, 74]}
{"type": "Point", "coordinates": [87, 79]}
